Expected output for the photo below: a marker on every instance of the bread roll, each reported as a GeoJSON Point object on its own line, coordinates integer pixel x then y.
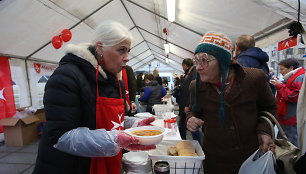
{"type": "Point", "coordinates": [185, 148]}
{"type": "Point", "coordinates": [187, 153]}
{"type": "Point", "coordinates": [172, 151]}
{"type": "Point", "coordinates": [184, 145]}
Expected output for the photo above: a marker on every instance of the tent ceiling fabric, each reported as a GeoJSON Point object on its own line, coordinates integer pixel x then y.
{"type": "Point", "coordinates": [28, 25]}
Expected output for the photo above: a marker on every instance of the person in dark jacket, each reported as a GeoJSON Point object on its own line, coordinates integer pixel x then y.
{"type": "Point", "coordinates": [250, 56]}
{"type": "Point", "coordinates": [139, 83]}
{"type": "Point", "coordinates": [84, 107]}
{"type": "Point", "coordinates": [184, 98]}
{"type": "Point", "coordinates": [128, 77]}
{"type": "Point", "coordinates": [157, 77]}
{"type": "Point", "coordinates": [227, 99]}
{"type": "Point", "coordinates": [153, 93]}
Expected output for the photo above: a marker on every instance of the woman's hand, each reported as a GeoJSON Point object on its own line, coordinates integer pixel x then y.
{"type": "Point", "coordinates": [133, 106]}
{"type": "Point", "coordinates": [145, 122]}
{"type": "Point", "coordinates": [265, 142]}
{"type": "Point", "coordinates": [186, 109]}
{"type": "Point", "coordinates": [274, 81]}
{"type": "Point", "coordinates": [194, 123]}
{"type": "Point", "coordinates": [130, 143]}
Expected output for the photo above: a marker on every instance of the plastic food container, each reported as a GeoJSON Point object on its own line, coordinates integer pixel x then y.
{"type": "Point", "coordinates": [160, 109]}
{"type": "Point", "coordinates": [178, 164]}
{"type": "Point", "coordinates": [148, 140]}
{"type": "Point", "coordinates": [136, 162]}
{"type": "Point", "coordinates": [170, 124]}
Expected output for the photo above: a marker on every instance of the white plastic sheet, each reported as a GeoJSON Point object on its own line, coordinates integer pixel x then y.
{"type": "Point", "coordinates": [262, 165]}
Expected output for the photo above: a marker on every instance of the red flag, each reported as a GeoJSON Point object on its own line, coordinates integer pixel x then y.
{"type": "Point", "coordinates": [7, 103]}
{"type": "Point", "coordinates": [287, 43]}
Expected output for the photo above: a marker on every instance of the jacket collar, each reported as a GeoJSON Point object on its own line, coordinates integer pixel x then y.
{"type": "Point", "coordinates": [289, 74]}
{"type": "Point", "coordinates": [83, 52]}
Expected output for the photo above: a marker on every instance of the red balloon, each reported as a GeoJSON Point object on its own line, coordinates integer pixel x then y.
{"type": "Point", "coordinates": [66, 35]}
{"type": "Point", "coordinates": [57, 42]}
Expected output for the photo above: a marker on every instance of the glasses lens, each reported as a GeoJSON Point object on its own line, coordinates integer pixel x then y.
{"type": "Point", "coordinates": [203, 59]}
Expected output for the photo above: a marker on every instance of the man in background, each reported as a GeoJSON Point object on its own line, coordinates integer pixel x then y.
{"type": "Point", "coordinates": [250, 56]}
{"type": "Point", "coordinates": [184, 98]}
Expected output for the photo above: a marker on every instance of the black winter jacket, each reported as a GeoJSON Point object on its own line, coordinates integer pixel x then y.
{"type": "Point", "coordinates": [190, 75]}
{"type": "Point", "coordinates": [70, 102]}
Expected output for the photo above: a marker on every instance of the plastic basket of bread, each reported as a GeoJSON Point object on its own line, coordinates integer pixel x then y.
{"type": "Point", "coordinates": [183, 156]}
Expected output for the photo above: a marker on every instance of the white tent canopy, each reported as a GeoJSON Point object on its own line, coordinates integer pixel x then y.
{"type": "Point", "coordinates": [28, 26]}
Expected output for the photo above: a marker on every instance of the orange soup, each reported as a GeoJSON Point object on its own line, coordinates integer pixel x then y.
{"type": "Point", "coordinates": [146, 132]}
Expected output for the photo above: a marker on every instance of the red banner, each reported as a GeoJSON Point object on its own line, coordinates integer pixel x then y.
{"type": "Point", "coordinates": [287, 43]}
{"type": "Point", "coordinates": [7, 103]}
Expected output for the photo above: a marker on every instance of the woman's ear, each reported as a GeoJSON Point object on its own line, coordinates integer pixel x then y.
{"type": "Point", "coordinates": [99, 48]}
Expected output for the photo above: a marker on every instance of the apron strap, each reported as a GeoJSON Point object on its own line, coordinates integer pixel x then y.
{"type": "Point", "coordinates": [97, 75]}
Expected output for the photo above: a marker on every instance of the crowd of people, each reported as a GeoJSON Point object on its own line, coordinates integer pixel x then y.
{"type": "Point", "coordinates": [220, 95]}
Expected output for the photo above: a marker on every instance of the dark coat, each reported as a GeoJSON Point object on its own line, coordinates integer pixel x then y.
{"type": "Point", "coordinates": [70, 100]}
{"type": "Point", "coordinates": [228, 147]}
{"type": "Point", "coordinates": [190, 75]}
{"type": "Point", "coordinates": [131, 82]}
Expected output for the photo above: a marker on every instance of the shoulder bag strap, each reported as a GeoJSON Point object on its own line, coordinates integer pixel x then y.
{"type": "Point", "coordinates": [268, 117]}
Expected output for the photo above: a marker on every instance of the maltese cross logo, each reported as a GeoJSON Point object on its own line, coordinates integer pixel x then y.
{"type": "Point", "coordinates": [120, 125]}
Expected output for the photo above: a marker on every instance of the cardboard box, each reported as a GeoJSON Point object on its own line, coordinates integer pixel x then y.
{"type": "Point", "coordinates": [19, 132]}
{"type": "Point", "coordinates": [40, 113]}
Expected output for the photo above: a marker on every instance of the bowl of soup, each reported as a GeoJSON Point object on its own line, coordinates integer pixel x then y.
{"type": "Point", "coordinates": [147, 135]}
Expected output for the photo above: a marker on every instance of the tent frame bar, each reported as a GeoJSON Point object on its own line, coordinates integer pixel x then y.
{"type": "Point", "coordinates": [200, 34]}
{"type": "Point", "coordinates": [163, 49]}
{"type": "Point", "coordinates": [164, 39]}
{"type": "Point", "coordinates": [78, 23]}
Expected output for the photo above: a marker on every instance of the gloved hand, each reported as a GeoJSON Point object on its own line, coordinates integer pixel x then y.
{"type": "Point", "coordinates": [145, 122]}
{"type": "Point", "coordinates": [130, 143]}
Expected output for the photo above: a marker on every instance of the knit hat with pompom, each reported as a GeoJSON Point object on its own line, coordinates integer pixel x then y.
{"type": "Point", "coordinates": [220, 46]}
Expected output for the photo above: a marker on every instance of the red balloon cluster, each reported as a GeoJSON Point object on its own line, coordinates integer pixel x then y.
{"type": "Point", "coordinates": [65, 36]}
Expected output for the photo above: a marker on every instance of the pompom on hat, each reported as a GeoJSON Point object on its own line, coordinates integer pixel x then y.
{"type": "Point", "coordinates": [220, 46]}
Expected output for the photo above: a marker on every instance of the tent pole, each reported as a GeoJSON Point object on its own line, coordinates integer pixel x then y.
{"type": "Point", "coordinates": [28, 80]}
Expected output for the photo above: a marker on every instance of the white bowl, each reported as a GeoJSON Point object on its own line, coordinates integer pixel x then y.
{"type": "Point", "coordinates": [148, 140]}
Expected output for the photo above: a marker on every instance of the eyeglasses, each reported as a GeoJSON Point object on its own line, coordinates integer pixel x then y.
{"type": "Point", "coordinates": [202, 59]}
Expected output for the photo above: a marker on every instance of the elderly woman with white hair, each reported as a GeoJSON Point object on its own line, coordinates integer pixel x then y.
{"type": "Point", "coordinates": [84, 107]}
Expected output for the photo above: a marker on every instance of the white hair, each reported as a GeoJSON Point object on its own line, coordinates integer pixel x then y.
{"type": "Point", "coordinates": [111, 33]}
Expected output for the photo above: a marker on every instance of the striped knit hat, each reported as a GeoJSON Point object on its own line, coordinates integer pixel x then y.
{"type": "Point", "coordinates": [219, 46]}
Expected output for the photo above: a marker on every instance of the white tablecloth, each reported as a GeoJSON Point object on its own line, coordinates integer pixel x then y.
{"type": "Point", "coordinates": [176, 136]}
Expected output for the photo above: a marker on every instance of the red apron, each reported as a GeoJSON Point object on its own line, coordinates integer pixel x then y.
{"type": "Point", "coordinates": [109, 116]}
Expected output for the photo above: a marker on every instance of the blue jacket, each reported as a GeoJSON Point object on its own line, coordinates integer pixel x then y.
{"type": "Point", "coordinates": [153, 93]}
{"type": "Point", "coordinates": [255, 58]}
